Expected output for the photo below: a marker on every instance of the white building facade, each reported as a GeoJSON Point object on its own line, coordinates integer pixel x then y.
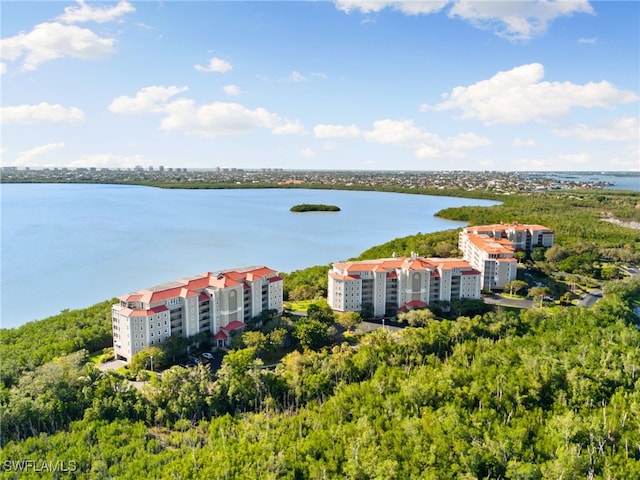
{"type": "Point", "coordinates": [388, 285]}
{"type": "Point", "coordinates": [215, 303]}
{"type": "Point", "coordinates": [490, 249]}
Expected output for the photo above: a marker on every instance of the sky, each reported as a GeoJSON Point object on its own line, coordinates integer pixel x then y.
{"type": "Point", "coordinates": [321, 85]}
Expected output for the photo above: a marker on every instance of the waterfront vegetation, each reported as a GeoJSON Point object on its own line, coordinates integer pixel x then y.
{"type": "Point", "coordinates": [314, 207]}
{"type": "Point", "coordinates": [463, 392]}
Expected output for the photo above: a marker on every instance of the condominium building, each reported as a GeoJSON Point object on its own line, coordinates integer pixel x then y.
{"type": "Point", "coordinates": [388, 285]}
{"type": "Point", "coordinates": [216, 303]}
{"type": "Point", "coordinates": [490, 249]}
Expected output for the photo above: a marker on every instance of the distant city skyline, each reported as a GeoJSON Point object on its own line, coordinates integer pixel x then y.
{"type": "Point", "coordinates": [344, 85]}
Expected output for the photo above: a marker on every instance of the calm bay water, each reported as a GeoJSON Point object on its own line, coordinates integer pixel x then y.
{"type": "Point", "coordinates": [71, 245]}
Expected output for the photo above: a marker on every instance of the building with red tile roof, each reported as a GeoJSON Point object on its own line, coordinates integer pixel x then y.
{"type": "Point", "coordinates": [490, 249]}
{"type": "Point", "coordinates": [212, 302]}
{"type": "Point", "coordinates": [388, 285]}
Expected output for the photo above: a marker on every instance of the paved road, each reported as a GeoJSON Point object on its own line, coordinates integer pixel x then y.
{"type": "Point", "coordinates": [112, 365]}
{"type": "Point", "coordinates": [366, 327]}
{"type": "Point", "coordinates": [508, 302]}
{"type": "Point", "coordinates": [590, 298]}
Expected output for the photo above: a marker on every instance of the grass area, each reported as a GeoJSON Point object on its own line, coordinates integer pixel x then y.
{"type": "Point", "coordinates": [513, 295]}
{"type": "Point", "coordinates": [298, 306]}
{"type": "Point", "coordinates": [101, 356]}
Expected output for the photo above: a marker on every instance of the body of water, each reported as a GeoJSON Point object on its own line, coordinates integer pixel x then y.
{"type": "Point", "coordinates": [618, 180]}
{"type": "Point", "coordinates": [73, 245]}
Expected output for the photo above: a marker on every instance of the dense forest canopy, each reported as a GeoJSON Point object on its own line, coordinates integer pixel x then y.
{"type": "Point", "coordinates": [550, 392]}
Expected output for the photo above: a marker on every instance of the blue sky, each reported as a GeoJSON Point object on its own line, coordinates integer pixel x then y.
{"type": "Point", "coordinates": [364, 85]}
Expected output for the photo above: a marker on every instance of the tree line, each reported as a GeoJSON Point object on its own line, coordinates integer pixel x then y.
{"type": "Point", "coordinates": [546, 393]}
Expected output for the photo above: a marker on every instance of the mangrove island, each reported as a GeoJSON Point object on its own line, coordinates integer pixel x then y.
{"type": "Point", "coordinates": [314, 207]}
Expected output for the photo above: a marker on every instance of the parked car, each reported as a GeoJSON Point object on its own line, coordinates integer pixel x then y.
{"type": "Point", "coordinates": [207, 355]}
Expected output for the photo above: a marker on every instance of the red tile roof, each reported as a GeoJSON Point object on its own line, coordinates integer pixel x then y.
{"type": "Point", "coordinates": [192, 286]}
{"type": "Point", "coordinates": [158, 309]}
{"type": "Point", "coordinates": [489, 244]}
{"type": "Point", "coordinates": [416, 303]}
{"type": "Point", "coordinates": [221, 335]}
{"type": "Point", "coordinates": [337, 276]}
{"type": "Point", "coordinates": [235, 325]}
{"type": "Point", "coordinates": [141, 312]}
{"type": "Point", "coordinates": [451, 263]}
{"type": "Point", "coordinates": [471, 272]}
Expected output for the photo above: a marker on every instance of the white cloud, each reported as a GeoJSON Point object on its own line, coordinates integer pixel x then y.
{"type": "Point", "coordinates": [336, 131]}
{"type": "Point", "coordinates": [514, 20]}
{"type": "Point", "coordinates": [519, 96]}
{"type": "Point", "coordinates": [296, 77]}
{"type": "Point", "coordinates": [588, 41]}
{"type": "Point", "coordinates": [3, 68]}
{"type": "Point", "coordinates": [87, 13]}
{"type": "Point", "coordinates": [221, 118]}
{"type": "Point", "coordinates": [518, 142]}
{"type": "Point", "coordinates": [405, 134]}
{"type": "Point", "coordinates": [29, 157]}
{"type": "Point", "coordinates": [409, 7]}
{"type": "Point", "coordinates": [210, 120]}
{"type": "Point", "coordinates": [48, 41]}
{"type": "Point", "coordinates": [467, 141]}
{"type": "Point", "coordinates": [232, 90]}
{"type": "Point", "coordinates": [619, 130]}
{"type": "Point", "coordinates": [148, 100]}
{"type": "Point", "coordinates": [307, 152]}
{"type": "Point", "coordinates": [401, 132]}
{"type": "Point", "coordinates": [41, 113]}
{"type": "Point", "coordinates": [289, 128]}
{"type": "Point", "coordinates": [215, 65]}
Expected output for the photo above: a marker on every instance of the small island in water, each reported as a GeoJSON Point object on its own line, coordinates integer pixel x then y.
{"type": "Point", "coordinates": [314, 207]}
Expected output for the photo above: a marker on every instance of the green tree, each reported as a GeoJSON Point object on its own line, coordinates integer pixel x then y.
{"type": "Point", "coordinates": [311, 333]}
{"type": "Point", "coordinates": [151, 358]}
{"type": "Point", "coordinates": [609, 271]}
{"type": "Point", "coordinates": [556, 253]}
{"type": "Point", "coordinates": [321, 311]}
{"type": "Point", "coordinates": [538, 254]}
{"type": "Point", "coordinates": [539, 293]}
{"type": "Point", "coordinates": [239, 378]}
{"type": "Point", "coordinates": [444, 249]}
{"type": "Point", "coordinates": [416, 318]}
{"type": "Point", "coordinates": [277, 338]}
{"type": "Point", "coordinates": [255, 340]}
{"type": "Point", "coordinates": [515, 286]}
{"type": "Point", "coordinates": [349, 320]}
{"type": "Point", "coordinates": [175, 348]}
{"type": "Point", "coordinates": [519, 256]}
